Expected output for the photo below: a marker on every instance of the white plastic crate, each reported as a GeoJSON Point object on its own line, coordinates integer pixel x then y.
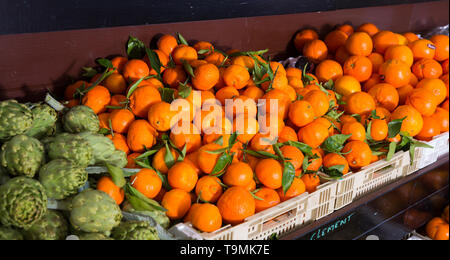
{"type": "Point", "coordinates": [426, 156]}
{"type": "Point", "coordinates": [277, 220]}
{"type": "Point", "coordinates": [356, 184]}
{"type": "Point", "coordinates": [321, 202]}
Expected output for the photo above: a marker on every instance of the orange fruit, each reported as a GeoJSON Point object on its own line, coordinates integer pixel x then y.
{"type": "Point", "coordinates": [377, 60]}
{"type": "Point", "coordinates": [400, 52]}
{"type": "Point", "coordinates": [226, 93]}
{"type": "Point", "coordinates": [379, 129]}
{"type": "Point", "coordinates": [423, 100]}
{"type": "Point", "coordinates": [295, 82]}
{"type": "Point", "coordinates": [174, 76]}
{"type": "Point", "coordinates": [207, 161]}
{"type": "Point", "coordinates": [238, 174]}
{"type": "Point", "coordinates": [116, 83]}
{"type": "Point", "coordinates": [235, 205]}
{"type": "Point", "coordinates": [244, 61]}
{"type": "Point", "coordinates": [445, 104]}
{"type": "Point", "coordinates": [236, 76]}
{"type": "Point", "coordinates": [383, 40]}
{"type": "Point", "coordinates": [315, 50]}
{"type": "Point", "coordinates": [413, 121]}
{"type": "Point", "coordinates": [445, 66]}
{"type": "Point", "coordinates": [163, 60]}
{"type": "Point", "coordinates": [117, 101]}
{"type": "Point", "coordinates": [334, 159]}
{"type": "Point", "coordinates": [190, 138]}
{"type": "Point", "coordinates": [106, 185]}
{"type": "Point", "coordinates": [442, 117]}
{"type": "Point", "coordinates": [104, 120]}
{"type": "Point", "coordinates": [118, 63]}
{"type": "Point", "coordinates": [356, 130]}
{"type": "Point", "coordinates": [159, 162]}
{"type": "Point", "coordinates": [358, 154]}
{"type": "Point", "coordinates": [316, 163]}
{"type": "Point", "coordinates": [359, 67]}
{"type": "Point", "coordinates": [121, 120]}
{"type": "Point", "coordinates": [167, 44]}
{"type": "Point", "coordinates": [437, 229]}
{"type": "Point", "coordinates": [411, 37]}
{"type": "Point", "coordinates": [301, 113]}
{"type": "Point", "coordinates": [142, 99]}
{"type": "Point", "coordinates": [427, 68]}
{"type": "Point", "coordinates": [297, 188]}
{"type": "Point", "coordinates": [403, 93]}
{"type": "Point", "coordinates": [206, 77]}
{"type": "Point", "coordinates": [131, 161]}
{"type": "Point", "coordinates": [182, 176]}
{"type": "Point", "coordinates": [347, 85]}
{"type": "Point", "coordinates": [208, 188]}
{"type": "Point", "coordinates": [287, 134]}
{"type": "Point", "coordinates": [346, 28]}
{"type": "Point", "coordinates": [161, 116]}
{"type": "Point", "coordinates": [435, 86]}
{"type": "Point", "coordinates": [147, 182]}
{"type": "Point", "coordinates": [177, 202]}
{"type": "Point", "coordinates": [359, 44]}
{"type": "Point", "coordinates": [328, 69]}
{"type": "Point", "coordinates": [135, 69]}
{"type": "Point", "coordinates": [269, 198]}
{"type": "Point", "coordinates": [204, 45]}
{"type": "Point", "coordinates": [369, 28]}
{"type": "Point", "coordinates": [207, 218]}
{"type": "Point", "coordinates": [311, 182]}
{"type": "Point", "coordinates": [423, 48]}
{"type": "Point", "coordinates": [263, 142]}
{"type": "Point", "coordinates": [441, 43]}
{"type": "Point", "coordinates": [246, 127]}
{"type": "Point", "coordinates": [395, 72]}
{"type": "Point", "coordinates": [141, 135]}
{"type": "Point", "coordinates": [293, 155]}
{"type": "Point", "coordinates": [385, 95]}
{"type": "Point", "coordinates": [335, 39]}
{"type": "Point", "coordinates": [120, 142]}
{"type": "Point", "coordinates": [269, 172]}
{"type": "Point", "coordinates": [304, 36]}
{"type": "Point", "coordinates": [71, 90]}
{"type": "Point", "coordinates": [319, 101]}
{"type": "Point", "coordinates": [430, 129]}
{"type": "Point", "coordinates": [313, 134]}
{"type": "Point", "coordinates": [341, 55]}
{"type": "Point", "coordinates": [184, 53]}
{"type": "Point", "coordinates": [253, 92]}
{"type": "Point", "coordinates": [241, 105]}
{"type": "Point", "coordinates": [359, 103]}
{"type": "Point", "coordinates": [97, 99]}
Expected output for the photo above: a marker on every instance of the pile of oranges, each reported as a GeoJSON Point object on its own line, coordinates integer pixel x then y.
{"type": "Point", "coordinates": [369, 94]}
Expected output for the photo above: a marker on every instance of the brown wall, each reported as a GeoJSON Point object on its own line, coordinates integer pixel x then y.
{"type": "Point", "coordinates": [31, 63]}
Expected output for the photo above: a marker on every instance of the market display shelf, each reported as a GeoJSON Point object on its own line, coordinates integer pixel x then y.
{"type": "Point", "coordinates": [361, 201]}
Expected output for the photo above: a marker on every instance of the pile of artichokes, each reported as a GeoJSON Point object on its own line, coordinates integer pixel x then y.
{"type": "Point", "coordinates": [44, 156]}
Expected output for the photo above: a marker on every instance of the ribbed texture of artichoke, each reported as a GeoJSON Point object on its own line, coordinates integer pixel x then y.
{"type": "Point", "coordinates": [104, 150]}
{"type": "Point", "coordinates": [62, 178]}
{"type": "Point", "coordinates": [93, 236]}
{"type": "Point", "coordinates": [7, 233]}
{"type": "Point", "coordinates": [53, 226]}
{"type": "Point", "coordinates": [23, 202]}
{"type": "Point", "coordinates": [159, 216]}
{"type": "Point", "coordinates": [94, 211]}
{"type": "Point", "coordinates": [44, 120]}
{"type": "Point", "coordinates": [81, 119]}
{"type": "Point", "coordinates": [15, 119]}
{"type": "Point", "coordinates": [70, 147]}
{"type": "Point", "coordinates": [135, 230]}
{"type": "Point", "coordinates": [22, 155]}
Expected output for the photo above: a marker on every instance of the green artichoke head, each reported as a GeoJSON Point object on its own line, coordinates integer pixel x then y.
{"type": "Point", "coordinates": [135, 230]}
{"type": "Point", "coordinates": [44, 121]}
{"type": "Point", "coordinates": [23, 202]}
{"type": "Point", "coordinates": [22, 155]}
{"type": "Point", "coordinates": [81, 119]}
{"type": "Point", "coordinates": [102, 148]}
{"type": "Point", "coordinates": [53, 226]}
{"type": "Point", "coordinates": [7, 233]}
{"type": "Point", "coordinates": [70, 147]}
{"type": "Point", "coordinates": [158, 216]}
{"type": "Point", "coordinates": [15, 119]}
{"type": "Point", "coordinates": [62, 178]}
{"type": "Point", "coordinates": [94, 211]}
{"type": "Point", "coordinates": [93, 236]}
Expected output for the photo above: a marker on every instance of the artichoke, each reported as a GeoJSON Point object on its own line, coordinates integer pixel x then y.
{"type": "Point", "coordinates": [70, 147]}
{"type": "Point", "coordinates": [104, 150]}
{"type": "Point", "coordinates": [15, 119]}
{"type": "Point", "coordinates": [93, 236]}
{"type": "Point", "coordinates": [81, 119]}
{"type": "Point", "coordinates": [23, 202]}
{"type": "Point", "coordinates": [22, 155]}
{"type": "Point", "coordinates": [7, 233]}
{"type": "Point", "coordinates": [53, 226]}
{"type": "Point", "coordinates": [158, 216]}
{"type": "Point", "coordinates": [3, 176]}
{"type": "Point", "coordinates": [94, 211]}
{"type": "Point", "coordinates": [135, 230]}
{"type": "Point", "coordinates": [44, 121]}
{"type": "Point", "coordinates": [62, 178]}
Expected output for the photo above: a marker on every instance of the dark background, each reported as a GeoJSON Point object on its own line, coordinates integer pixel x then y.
{"type": "Point", "coordinates": [29, 16]}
